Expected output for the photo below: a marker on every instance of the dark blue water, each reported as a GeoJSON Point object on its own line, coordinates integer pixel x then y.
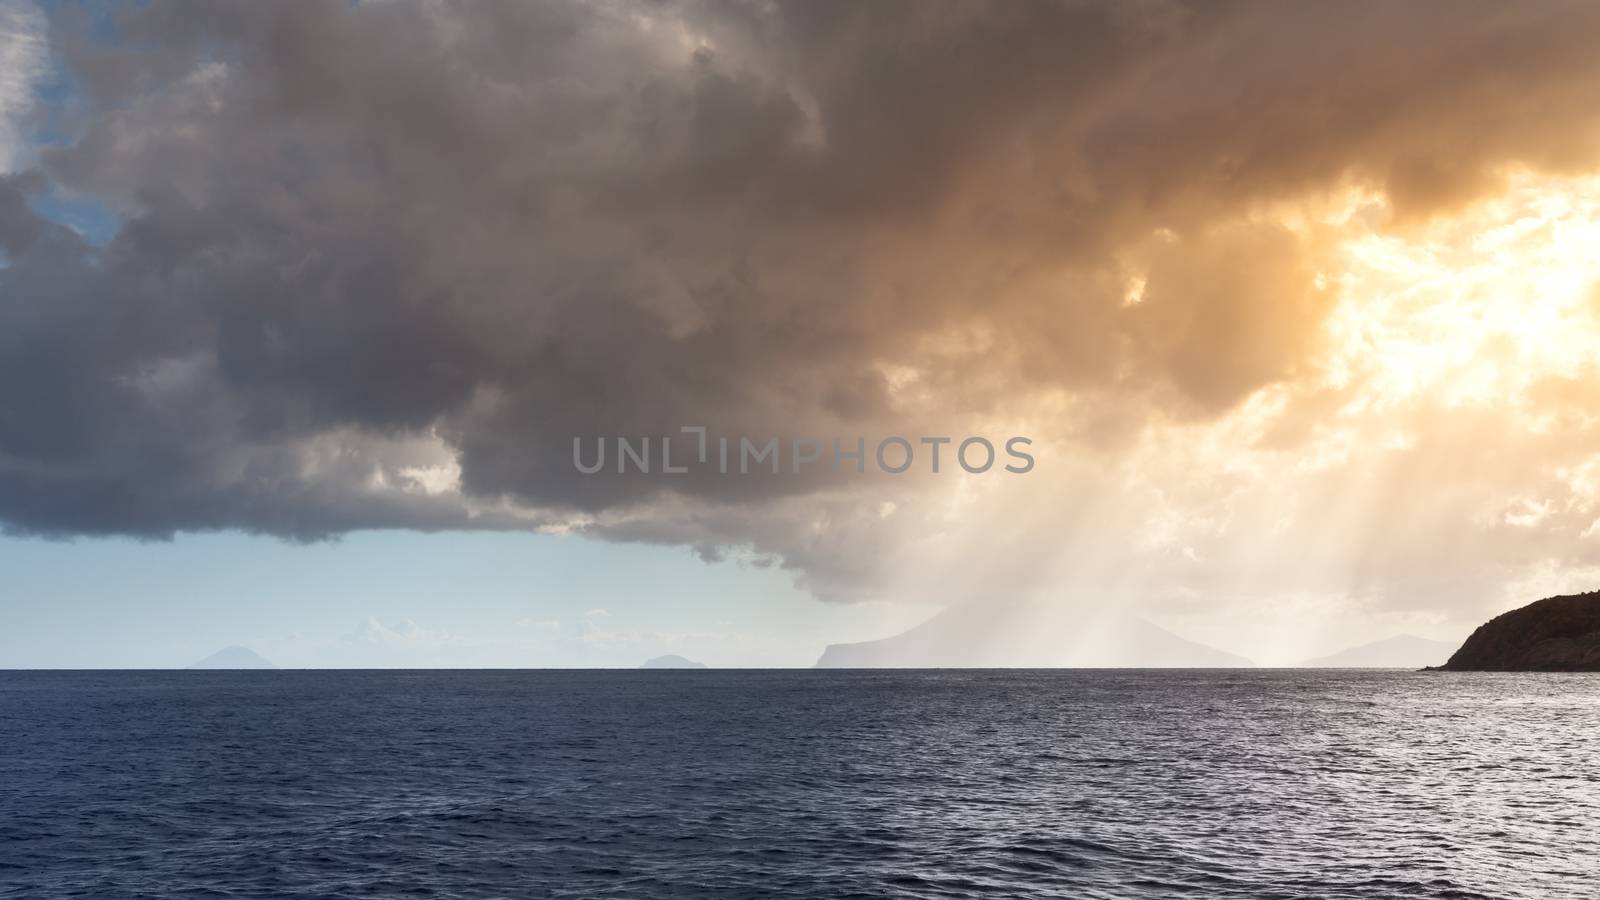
{"type": "Point", "coordinates": [818, 784]}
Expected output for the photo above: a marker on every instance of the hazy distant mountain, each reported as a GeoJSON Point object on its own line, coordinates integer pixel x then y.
{"type": "Point", "coordinates": [1404, 651]}
{"type": "Point", "coordinates": [1025, 635]}
{"type": "Point", "coordinates": [234, 658]}
{"type": "Point", "coordinates": [672, 661]}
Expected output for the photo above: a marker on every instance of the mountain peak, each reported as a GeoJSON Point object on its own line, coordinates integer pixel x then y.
{"type": "Point", "coordinates": [234, 658]}
{"type": "Point", "coordinates": [672, 661]}
{"type": "Point", "coordinates": [1030, 635]}
{"type": "Point", "coordinates": [1403, 651]}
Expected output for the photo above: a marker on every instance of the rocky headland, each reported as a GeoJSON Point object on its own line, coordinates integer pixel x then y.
{"type": "Point", "coordinates": [1556, 634]}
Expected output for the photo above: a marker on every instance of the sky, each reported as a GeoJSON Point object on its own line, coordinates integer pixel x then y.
{"type": "Point", "coordinates": [303, 306]}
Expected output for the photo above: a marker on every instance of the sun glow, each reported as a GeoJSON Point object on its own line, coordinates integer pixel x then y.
{"type": "Point", "coordinates": [1477, 307]}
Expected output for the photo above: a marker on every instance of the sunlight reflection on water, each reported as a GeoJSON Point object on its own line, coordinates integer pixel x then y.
{"type": "Point", "coordinates": [800, 784]}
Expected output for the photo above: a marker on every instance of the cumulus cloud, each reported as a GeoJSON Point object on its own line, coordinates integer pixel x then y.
{"type": "Point", "coordinates": [380, 263]}
{"type": "Point", "coordinates": [402, 634]}
{"type": "Point", "coordinates": [527, 622]}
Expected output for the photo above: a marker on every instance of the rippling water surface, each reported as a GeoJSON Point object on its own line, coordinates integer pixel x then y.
{"type": "Point", "coordinates": [799, 784]}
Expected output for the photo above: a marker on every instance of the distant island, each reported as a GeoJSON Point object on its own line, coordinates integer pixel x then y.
{"type": "Point", "coordinates": [672, 661]}
{"type": "Point", "coordinates": [1013, 634]}
{"type": "Point", "coordinates": [1556, 634]}
{"type": "Point", "coordinates": [1404, 651]}
{"type": "Point", "coordinates": [234, 658]}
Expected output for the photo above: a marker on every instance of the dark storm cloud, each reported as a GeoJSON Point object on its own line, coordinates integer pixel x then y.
{"type": "Point", "coordinates": [355, 232]}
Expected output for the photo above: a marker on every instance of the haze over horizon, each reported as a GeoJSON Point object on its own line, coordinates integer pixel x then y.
{"type": "Point", "coordinates": [302, 306]}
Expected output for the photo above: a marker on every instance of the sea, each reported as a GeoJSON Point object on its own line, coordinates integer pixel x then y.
{"type": "Point", "coordinates": [803, 784]}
